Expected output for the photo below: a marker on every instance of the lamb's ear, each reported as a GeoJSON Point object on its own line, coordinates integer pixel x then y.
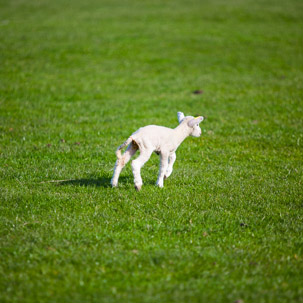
{"type": "Point", "coordinates": [180, 116]}
{"type": "Point", "coordinates": [194, 121]}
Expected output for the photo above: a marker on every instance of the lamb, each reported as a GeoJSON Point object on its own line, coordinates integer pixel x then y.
{"type": "Point", "coordinates": [162, 140]}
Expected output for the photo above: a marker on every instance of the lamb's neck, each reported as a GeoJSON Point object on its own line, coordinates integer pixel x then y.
{"type": "Point", "coordinates": [182, 132]}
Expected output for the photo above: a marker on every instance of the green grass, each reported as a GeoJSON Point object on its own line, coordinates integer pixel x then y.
{"type": "Point", "coordinates": [77, 78]}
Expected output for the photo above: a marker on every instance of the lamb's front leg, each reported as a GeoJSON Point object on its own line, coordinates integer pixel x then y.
{"type": "Point", "coordinates": [171, 161]}
{"type": "Point", "coordinates": [163, 168]}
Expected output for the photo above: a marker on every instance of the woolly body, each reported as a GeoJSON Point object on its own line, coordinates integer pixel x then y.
{"type": "Point", "coordinates": [158, 138]}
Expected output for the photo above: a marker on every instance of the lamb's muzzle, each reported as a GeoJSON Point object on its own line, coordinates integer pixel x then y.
{"type": "Point", "coordinates": [152, 138]}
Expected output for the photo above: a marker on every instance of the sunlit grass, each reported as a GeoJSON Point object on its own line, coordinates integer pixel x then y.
{"type": "Point", "coordinates": [76, 79]}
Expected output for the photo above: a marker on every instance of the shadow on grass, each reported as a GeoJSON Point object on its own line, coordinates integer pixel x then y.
{"type": "Point", "coordinates": [94, 181]}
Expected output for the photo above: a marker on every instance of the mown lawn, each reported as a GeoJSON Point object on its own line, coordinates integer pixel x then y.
{"type": "Point", "coordinates": [78, 77]}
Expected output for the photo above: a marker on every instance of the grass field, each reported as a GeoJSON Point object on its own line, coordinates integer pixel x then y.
{"type": "Point", "coordinates": [77, 78]}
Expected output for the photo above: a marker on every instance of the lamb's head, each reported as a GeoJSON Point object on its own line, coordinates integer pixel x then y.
{"type": "Point", "coordinates": [192, 123]}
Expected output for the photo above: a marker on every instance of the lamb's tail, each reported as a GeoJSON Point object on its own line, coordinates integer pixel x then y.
{"type": "Point", "coordinates": [118, 151]}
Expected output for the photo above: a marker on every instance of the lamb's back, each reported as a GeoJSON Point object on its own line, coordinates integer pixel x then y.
{"type": "Point", "coordinates": [152, 135]}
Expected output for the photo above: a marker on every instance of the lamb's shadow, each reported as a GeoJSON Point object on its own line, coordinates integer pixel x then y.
{"type": "Point", "coordinates": [93, 181]}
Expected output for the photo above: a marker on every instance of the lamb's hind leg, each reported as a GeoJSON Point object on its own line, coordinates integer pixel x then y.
{"type": "Point", "coordinates": [136, 166]}
{"type": "Point", "coordinates": [120, 163]}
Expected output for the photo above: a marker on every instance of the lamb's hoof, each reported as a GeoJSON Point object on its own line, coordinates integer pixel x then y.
{"type": "Point", "coordinates": [138, 187]}
{"type": "Point", "coordinates": [114, 185]}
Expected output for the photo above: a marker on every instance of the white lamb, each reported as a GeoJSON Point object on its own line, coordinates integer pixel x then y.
{"type": "Point", "coordinates": [162, 140]}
